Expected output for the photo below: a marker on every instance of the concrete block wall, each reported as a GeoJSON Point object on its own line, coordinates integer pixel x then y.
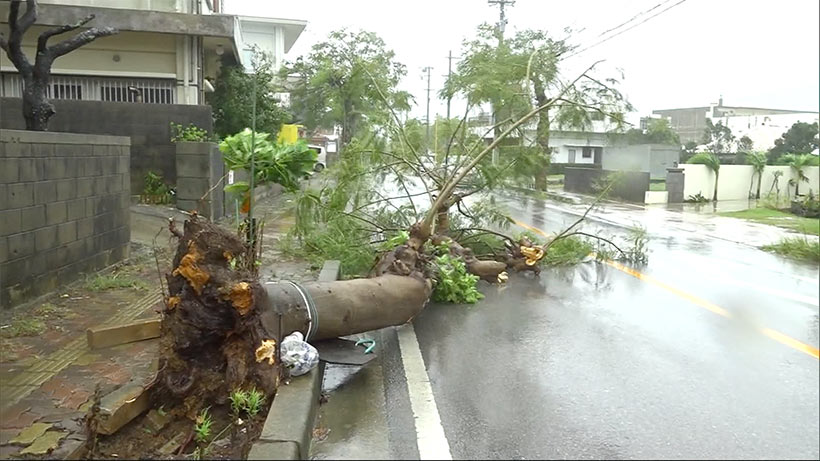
{"type": "Point", "coordinates": [630, 185]}
{"type": "Point", "coordinates": [199, 168]}
{"type": "Point", "coordinates": [64, 201]}
{"type": "Point", "coordinates": [148, 126]}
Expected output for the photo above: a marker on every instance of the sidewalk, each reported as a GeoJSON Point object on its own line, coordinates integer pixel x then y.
{"type": "Point", "coordinates": [47, 372]}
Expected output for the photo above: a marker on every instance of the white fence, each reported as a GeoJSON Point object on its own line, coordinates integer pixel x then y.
{"type": "Point", "coordinates": [114, 89]}
{"type": "Point", "coordinates": [735, 181]}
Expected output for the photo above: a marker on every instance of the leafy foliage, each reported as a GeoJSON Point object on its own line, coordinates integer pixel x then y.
{"type": "Point", "coordinates": [801, 138]}
{"type": "Point", "coordinates": [332, 84]}
{"type": "Point", "coordinates": [514, 75]}
{"type": "Point", "coordinates": [758, 161]}
{"type": "Point", "coordinates": [566, 251]}
{"type": "Point", "coordinates": [718, 137]}
{"type": "Point", "coordinates": [454, 283]}
{"type": "Point", "coordinates": [232, 99]}
{"type": "Point", "coordinates": [798, 164]}
{"type": "Point", "coordinates": [283, 164]}
{"type": "Point", "coordinates": [190, 133]}
{"type": "Point", "coordinates": [155, 190]}
{"type": "Point", "coordinates": [202, 426]}
{"type": "Point", "coordinates": [658, 131]}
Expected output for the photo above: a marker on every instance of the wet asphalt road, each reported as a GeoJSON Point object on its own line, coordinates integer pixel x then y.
{"type": "Point", "coordinates": [591, 362]}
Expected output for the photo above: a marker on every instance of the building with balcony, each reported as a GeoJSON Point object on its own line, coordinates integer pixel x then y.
{"type": "Point", "coordinates": [158, 69]}
{"type": "Point", "coordinates": [167, 51]}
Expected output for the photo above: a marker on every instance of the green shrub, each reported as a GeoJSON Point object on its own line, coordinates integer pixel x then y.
{"type": "Point", "coordinates": [190, 133]}
{"type": "Point", "coordinates": [454, 283]}
{"type": "Point", "coordinates": [800, 248]}
{"type": "Point", "coordinates": [567, 251]}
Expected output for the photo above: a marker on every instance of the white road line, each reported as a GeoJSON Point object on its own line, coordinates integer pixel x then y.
{"type": "Point", "coordinates": [430, 436]}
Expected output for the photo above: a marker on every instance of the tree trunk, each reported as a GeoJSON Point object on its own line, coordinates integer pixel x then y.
{"type": "Point", "coordinates": [542, 136]}
{"type": "Point", "coordinates": [759, 182]}
{"type": "Point", "coordinates": [221, 327]}
{"type": "Point", "coordinates": [37, 110]}
{"type": "Point", "coordinates": [717, 176]}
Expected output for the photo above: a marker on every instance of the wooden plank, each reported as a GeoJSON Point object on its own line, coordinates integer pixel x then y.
{"type": "Point", "coordinates": [121, 406]}
{"type": "Point", "coordinates": [111, 336]}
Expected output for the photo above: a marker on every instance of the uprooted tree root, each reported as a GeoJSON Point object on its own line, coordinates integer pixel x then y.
{"type": "Point", "coordinates": [212, 339]}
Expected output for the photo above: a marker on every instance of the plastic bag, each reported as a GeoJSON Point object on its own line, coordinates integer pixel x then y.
{"type": "Point", "coordinates": [297, 355]}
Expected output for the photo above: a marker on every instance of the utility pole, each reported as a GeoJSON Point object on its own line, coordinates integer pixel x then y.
{"type": "Point", "coordinates": [449, 74]}
{"type": "Point", "coordinates": [428, 69]}
{"type": "Point", "coordinates": [502, 23]}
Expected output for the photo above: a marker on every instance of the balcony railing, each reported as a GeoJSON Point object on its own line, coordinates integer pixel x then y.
{"type": "Point", "coordinates": [113, 89]}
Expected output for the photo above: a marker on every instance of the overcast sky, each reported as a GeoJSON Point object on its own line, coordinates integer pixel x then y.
{"type": "Point", "coordinates": [754, 52]}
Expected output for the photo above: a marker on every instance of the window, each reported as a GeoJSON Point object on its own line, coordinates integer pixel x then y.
{"type": "Point", "coordinates": [66, 91]}
{"type": "Point", "coordinates": [586, 153]}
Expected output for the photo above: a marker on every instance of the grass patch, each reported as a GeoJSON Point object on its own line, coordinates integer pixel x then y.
{"type": "Point", "coordinates": [800, 248]}
{"type": "Point", "coordinates": [23, 327]}
{"type": "Point", "coordinates": [657, 185]}
{"type": "Point", "coordinates": [112, 281]}
{"type": "Point", "coordinates": [567, 251]}
{"type": "Point", "coordinates": [778, 218]}
{"type": "Point", "coordinates": [50, 311]}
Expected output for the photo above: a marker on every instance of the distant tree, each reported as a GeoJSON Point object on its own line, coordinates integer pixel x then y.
{"type": "Point", "coordinates": [712, 162]}
{"type": "Point", "coordinates": [657, 131]}
{"type": "Point", "coordinates": [333, 86]}
{"type": "Point", "coordinates": [37, 110]}
{"type": "Point", "coordinates": [758, 162]}
{"type": "Point", "coordinates": [520, 72]}
{"type": "Point", "coordinates": [745, 144]}
{"type": "Point", "coordinates": [689, 149]}
{"type": "Point", "coordinates": [798, 163]}
{"type": "Point", "coordinates": [232, 99]}
{"type": "Point", "coordinates": [801, 138]}
{"type": "Point", "coordinates": [717, 137]}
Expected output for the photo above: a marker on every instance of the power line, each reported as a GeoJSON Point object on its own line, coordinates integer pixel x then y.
{"type": "Point", "coordinates": [634, 17]}
{"type": "Point", "coordinates": [623, 31]}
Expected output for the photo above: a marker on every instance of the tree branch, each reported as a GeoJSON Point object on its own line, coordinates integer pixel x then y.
{"type": "Point", "coordinates": [480, 230]}
{"type": "Point", "coordinates": [17, 27]}
{"type": "Point", "coordinates": [42, 41]}
{"type": "Point", "coordinates": [83, 38]}
{"type": "Point", "coordinates": [448, 189]}
{"type": "Point", "coordinates": [28, 18]}
{"type": "Point", "coordinates": [585, 234]}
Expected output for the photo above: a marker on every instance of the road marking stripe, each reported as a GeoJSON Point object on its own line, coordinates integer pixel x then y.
{"type": "Point", "coordinates": [773, 334]}
{"type": "Point", "coordinates": [430, 436]}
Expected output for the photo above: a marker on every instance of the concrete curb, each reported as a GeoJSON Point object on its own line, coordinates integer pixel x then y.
{"type": "Point", "coordinates": [288, 429]}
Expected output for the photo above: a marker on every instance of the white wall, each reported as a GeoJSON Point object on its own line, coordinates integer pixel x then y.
{"type": "Point", "coordinates": [763, 129]}
{"type": "Point", "coordinates": [735, 181]}
{"type": "Point", "coordinates": [562, 142]}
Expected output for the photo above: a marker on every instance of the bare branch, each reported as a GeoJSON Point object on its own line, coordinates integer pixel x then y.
{"type": "Point", "coordinates": [448, 189]}
{"type": "Point", "coordinates": [42, 41]}
{"type": "Point", "coordinates": [398, 124]}
{"type": "Point", "coordinates": [566, 231]}
{"type": "Point", "coordinates": [14, 45]}
{"type": "Point", "coordinates": [597, 237]}
{"type": "Point", "coordinates": [480, 230]}
{"type": "Point", "coordinates": [407, 192]}
{"type": "Point", "coordinates": [28, 18]}
{"type": "Point", "coordinates": [83, 38]}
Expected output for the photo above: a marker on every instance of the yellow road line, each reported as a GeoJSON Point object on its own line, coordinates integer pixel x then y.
{"type": "Point", "coordinates": [700, 302]}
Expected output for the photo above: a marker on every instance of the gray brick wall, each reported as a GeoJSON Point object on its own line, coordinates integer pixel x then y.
{"type": "Point", "coordinates": [199, 168]}
{"type": "Point", "coordinates": [148, 126]}
{"type": "Point", "coordinates": [64, 201]}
